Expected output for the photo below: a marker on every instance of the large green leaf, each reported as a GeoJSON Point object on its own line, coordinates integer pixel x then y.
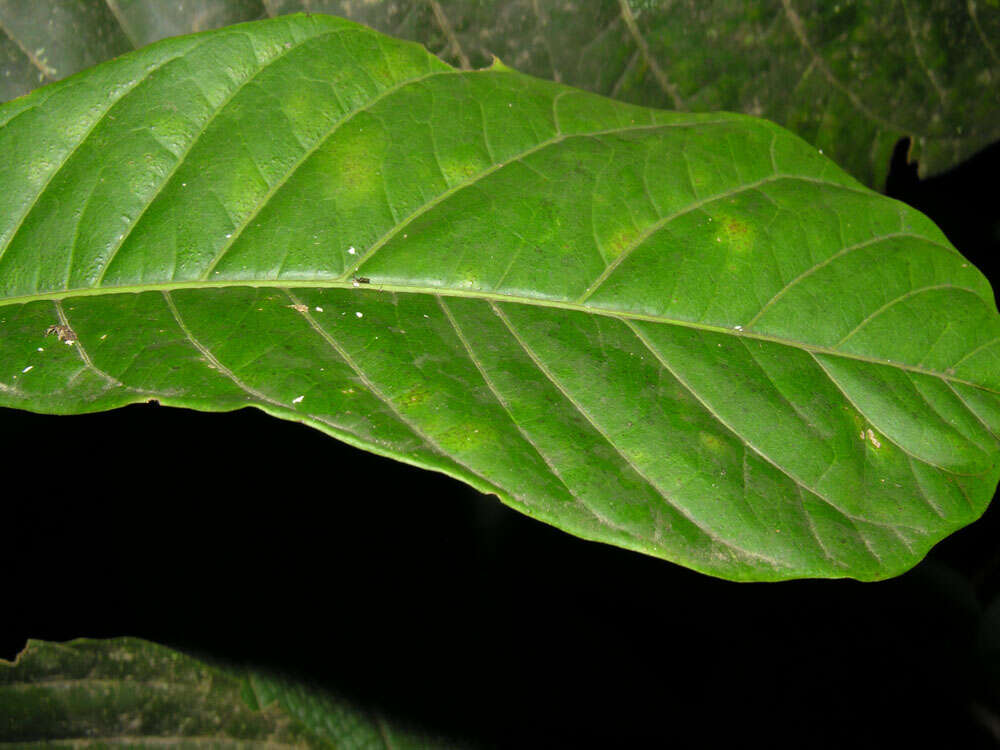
{"type": "Point", "coordinates": [851, 77]}
{"type": "Point", "coordinates": [686, 334]}
{"type": "Point", "coordinates": [125, 691]}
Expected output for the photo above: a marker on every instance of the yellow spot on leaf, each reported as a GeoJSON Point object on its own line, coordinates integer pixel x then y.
{"type": "Point", "coordinates": [620, 241]}
{"type": "Point", "coordinates": [455, 172]}
{"type": "Point", "coordinates": [352, 164]}
{"type": "Point", "coordinates": [414, 396]}
{"type": "Point", "coordinates": [736, 234]}
{"type": "Point", "coordinates": [710, 442]}
{"type": "Point", "coordinates": [466, 436]}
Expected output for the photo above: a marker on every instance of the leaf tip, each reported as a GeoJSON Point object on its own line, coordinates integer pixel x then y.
{"type": "Point", "coordinates": [498, 66]}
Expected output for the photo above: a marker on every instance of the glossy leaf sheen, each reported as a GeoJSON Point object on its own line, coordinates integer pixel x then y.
{"type": "Point", "coordinates": [126, 691]}
{"type": "Point", "coordinates": [686, 334]}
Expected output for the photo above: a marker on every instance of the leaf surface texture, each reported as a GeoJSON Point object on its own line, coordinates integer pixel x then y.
{"type": "Point", "coordinates": [686, 334]}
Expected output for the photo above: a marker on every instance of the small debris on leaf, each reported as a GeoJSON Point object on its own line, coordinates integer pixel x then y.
{"type": "Point", "coordinates": [64, 333]}
{"type": "Point", "coordinates": [299, 308]}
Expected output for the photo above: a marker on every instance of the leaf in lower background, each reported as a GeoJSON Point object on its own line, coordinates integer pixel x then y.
{"type": "Point", "coordinates": [989, 645]}
{"type": "Point", "coordinates": [126, 691]}
{"type": "Point", "coordinates": [987, 655]}
{"type": "Point", "coordinates": [689, 335]}
{"type": "Point", "coordinates": [851, 77]}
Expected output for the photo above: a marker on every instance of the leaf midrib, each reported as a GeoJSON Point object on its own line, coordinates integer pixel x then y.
{"type": "Point", "coordinates": [578, 305]}
{"type": "Point", "coordinates": [623, 315]}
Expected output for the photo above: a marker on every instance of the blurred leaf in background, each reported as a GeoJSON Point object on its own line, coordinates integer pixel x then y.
{"type": "Point", "coordinates": [126, 691]}
{"type": "Point", "coordinates": [852, 77]}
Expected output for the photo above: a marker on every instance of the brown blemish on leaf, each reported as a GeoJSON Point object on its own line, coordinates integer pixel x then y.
{"type": "Point", "coordinates": [63, 332]}
{"type": "Point", "coordinates": [299, 308]}
{"type": "Point", "coordinates": [736, 228]}
{"type": "Point", "coordinates": [737, 234]}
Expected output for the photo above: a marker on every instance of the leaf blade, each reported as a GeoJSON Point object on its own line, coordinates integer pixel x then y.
{"type": "Point", "coordinates": [770, 420]}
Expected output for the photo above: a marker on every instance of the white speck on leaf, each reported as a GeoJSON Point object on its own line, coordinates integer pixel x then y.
{"type": "Point", "coordinates": [360, 314]}
{"type": "Point", "coordinates": [28, 368]}
{"type": "Point", "coordinates": [738, 328]}
{"type": "Point", "coordinates": [319, 309]}
{"type": "Point", "coordinates": [297, 399]}
{"type": "Point", "coordinates": [41, 349]}
{"type": "Point", "coordinates": [872, 439]}
{"type": "Point", "coordinates": [351, 251]}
